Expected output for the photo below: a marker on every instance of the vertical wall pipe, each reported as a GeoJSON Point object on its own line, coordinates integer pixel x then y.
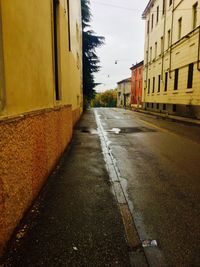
{"type": "Point", "coordinates": [2, 74]}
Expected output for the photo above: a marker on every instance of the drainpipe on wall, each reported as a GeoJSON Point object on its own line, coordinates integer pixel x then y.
{"type": "Point", "coordinates": [162, 68]}
{"type": "Point", "coordinates": [172, 28]}
{"type": "Point", "coordinates": [147, 63]}
{"type": "Point", "coordinates": [2, 74]}
{"type": "Point", "coordinates": [198, 59]}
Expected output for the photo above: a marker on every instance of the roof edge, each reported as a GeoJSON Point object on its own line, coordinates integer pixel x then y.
{"type": "Point", "coordinates": [146, 9]}
{"type": "Point", "coordinates": [137, 65]}
{"type": "Point", "coordinates": [124, 80]}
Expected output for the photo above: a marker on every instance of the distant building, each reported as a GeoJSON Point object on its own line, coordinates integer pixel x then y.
{"type": "Point", "coordinates": [136, 84]}
{"type": "Point", "coordinates": [172, 57]}
{"type": "Point", "coordinates": [124, 93]}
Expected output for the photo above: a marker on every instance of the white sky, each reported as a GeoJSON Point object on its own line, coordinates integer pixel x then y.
{"type": "Point", "coordinates": [123, 30]}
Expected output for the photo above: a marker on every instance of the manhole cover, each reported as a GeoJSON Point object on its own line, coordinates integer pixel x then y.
{"type": "Point", "coordinates": [127, 130]}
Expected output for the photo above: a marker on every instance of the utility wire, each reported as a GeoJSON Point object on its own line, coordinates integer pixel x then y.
{"type": "Point", "coordinates": [136, 10]}
{"type": "Point", "coordinates": [115, 6]}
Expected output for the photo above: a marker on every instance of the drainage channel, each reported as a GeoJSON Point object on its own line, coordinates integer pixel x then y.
{"type": "Point", "coordinates": [142, 253]}
{"type": "Point", "coordinates": [136, 253]}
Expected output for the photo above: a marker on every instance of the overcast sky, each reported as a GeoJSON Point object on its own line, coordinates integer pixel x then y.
{"type": "Point", "coordinates": [119, 21]}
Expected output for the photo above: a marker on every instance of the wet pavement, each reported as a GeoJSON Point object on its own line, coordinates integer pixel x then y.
{"type": "Point", "coordinates": [76, 220]}
{"type": "Point", "coordinates": [159, 165]}
{"type": "Point", "coordinates": [126, 192]}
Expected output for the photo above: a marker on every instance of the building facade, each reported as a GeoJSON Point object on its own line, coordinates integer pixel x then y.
{"type": "Point", "coordinates": [40, 97]}
{"type": "Point", "coordinates": [172, 57]}
{"type": "Point", "coordinates": [136, 84]}
{"type": "Point", "coordinates": [124, 93]}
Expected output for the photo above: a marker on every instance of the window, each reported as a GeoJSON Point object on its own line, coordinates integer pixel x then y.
{"type": "Point", "coordinates": [157, 106]}
{"type": "Point", "coordinates": [148, 27]}
{"type": "Point", "coordinates": [190, 75]}
{"type": "Point", "coordinates": [176, 73]}
{"type": "Point", "coordinates": [157, 14]}
{"type": "Point", "coordinates": [166, 81]}
{"type": "Point", "coordinates": [147, 57]}
{"type": "Point", "coordinates": [159, 77]}
{"type": "Point", "coordinates": [195, 6]}
{"type": "Point", "coordinates": [174, 107]}
{"type": "Point", "coordinates": [150, 54]}
{"type": "Point", "coordinates": [179, 28]}
{"type": "Point", "coordinates": [152, 21]}
{"type": "Point", "coordinates": [69, 25]}
{"type": "Point", "coordinates": [156, 46]}
{"type": "Point", "coordinates": [56, 50]}
{"type": "Point", "coordinates": [163, 11]}
{"type": "Point", "coordinates": [161, 45]}
{"type": "Point", "coordinates": [153, 88]}
{"type": "Point", "coordinates": [168, 38]}
{"type": "Point", "coordinates": [164, 106]}
{"type": "Point", "coordinates": [149, 83]}
{"type": "Point", "coordinates": [170, 2]}
{"type": "Point", "coordinates": [151, 105]}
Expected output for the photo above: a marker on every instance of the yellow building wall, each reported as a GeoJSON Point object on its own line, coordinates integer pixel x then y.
{"type": "Point", "coordinates": [27, 52]}
{"type": "Point", "coordinates": [28, 55]}
{"type": "Point", "coordinates": [71, 61]}
{"type": "Point", "coordinates": [35, 128]}
{"type": "Point", "coordinates": [183, 53]}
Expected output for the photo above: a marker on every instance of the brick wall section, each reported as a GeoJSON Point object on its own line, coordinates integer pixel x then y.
{"type": "Point", "coordinates": [29, 149]}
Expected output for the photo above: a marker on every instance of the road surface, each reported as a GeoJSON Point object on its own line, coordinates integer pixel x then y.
{"type": "Point", "coordinates": [159, 165]}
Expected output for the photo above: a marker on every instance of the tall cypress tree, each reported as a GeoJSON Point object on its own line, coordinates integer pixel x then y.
{"type": "Point", "coordinates": [90, 59]}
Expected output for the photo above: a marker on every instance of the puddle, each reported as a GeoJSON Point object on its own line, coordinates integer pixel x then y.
{"type": "Point", "coordinates": [130, 130]}
{"type": "Point", "coordinates": [88, 130]}
{"type": "Point", "coordinates": [115, 130]}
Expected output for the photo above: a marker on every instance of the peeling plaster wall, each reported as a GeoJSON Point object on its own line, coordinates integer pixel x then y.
{"type": "Point", "coordinates": [29, 149]}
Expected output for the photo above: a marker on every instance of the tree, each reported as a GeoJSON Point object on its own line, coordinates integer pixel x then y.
{"type": "Point", "coordinates": [105, 99]}
{"type": "Point", "coordinates": [90, 59]}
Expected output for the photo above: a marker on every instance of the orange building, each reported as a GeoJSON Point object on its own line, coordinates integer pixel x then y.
{"type": "Point", "coordinates": [136, 83]}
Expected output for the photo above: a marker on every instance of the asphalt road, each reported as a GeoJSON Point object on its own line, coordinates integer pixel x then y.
{"type": "Point", "coordinates": [159, 165]}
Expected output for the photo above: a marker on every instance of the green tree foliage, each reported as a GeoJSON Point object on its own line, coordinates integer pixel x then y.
{"type": "Point", "coordinates": [105, 99]}
{"type": "Point", "coordinates": [90, 59]}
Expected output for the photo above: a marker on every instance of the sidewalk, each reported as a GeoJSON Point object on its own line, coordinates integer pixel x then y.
{"type": "Point", "coordinates": [75, 221]}
{"type": "Point", "coordinates": [185, 120]}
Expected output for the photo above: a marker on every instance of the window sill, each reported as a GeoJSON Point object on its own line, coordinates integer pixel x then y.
{"type": "Point", "coordinates": [158, 93]}
{"type": "Point", "coordinates": [165, 93]}
{"type": "Point", "coordinates": [189, 91]}
{"type": "Point", "coordinates": [175, 92]}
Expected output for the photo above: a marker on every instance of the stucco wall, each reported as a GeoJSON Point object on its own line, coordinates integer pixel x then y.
{"type": "Point", "coordinates": [182, 53]}
{"type": "Point", "coordinates": [35, 128]}
{"type": "Point", "coordinates": [27, 59]}
{"type": "Point", "coordinates": [123, 93]}
{"type": "Point", "coordinates": [136, 85]}
{"type": "Point", "coordinates": [29, 149]}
